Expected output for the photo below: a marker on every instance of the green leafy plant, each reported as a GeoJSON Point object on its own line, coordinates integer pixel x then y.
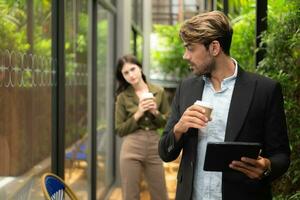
{"type": "Point", "coordinates": [167, 55]}
{"type": "Point", "coordinates": [243, 40]}
{"type": "Point", "coordinates": [282, 62]}
{"type": "Point", "coordinates": [11, 35]}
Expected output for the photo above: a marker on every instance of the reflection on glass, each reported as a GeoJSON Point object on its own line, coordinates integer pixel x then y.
{"type": "Point", "coordinates": [76, 27]}
{"type": "Point", "coordinates": [103, 147]}
{"type": "Point", "coordinates": [25, 100]}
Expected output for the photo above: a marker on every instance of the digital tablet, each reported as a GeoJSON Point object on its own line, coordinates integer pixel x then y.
{"type": "Point", "coordinates": [220, 154]}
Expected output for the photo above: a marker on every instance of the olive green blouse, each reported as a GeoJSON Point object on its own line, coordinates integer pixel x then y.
{"type": "Point", "coordinates": [127, 104]}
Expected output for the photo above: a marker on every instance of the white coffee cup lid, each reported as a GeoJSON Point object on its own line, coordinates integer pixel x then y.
{"type": "Point", "coordinates": [204, 104]}
{"type": "Point", "coordinates": [147, 95]}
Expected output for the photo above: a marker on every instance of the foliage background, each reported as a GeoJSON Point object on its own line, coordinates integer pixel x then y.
{"type": "Point", "coordinates": [169, 50]}
{"type": "Point", "coordinates": [282, 62]}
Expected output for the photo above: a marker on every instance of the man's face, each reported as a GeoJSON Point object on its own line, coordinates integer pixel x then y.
{"type": "Point", "coordinates": [200, 59]}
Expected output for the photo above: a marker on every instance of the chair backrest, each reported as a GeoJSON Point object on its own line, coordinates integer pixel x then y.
{"type": "Point", "coordinates": [54, 188]}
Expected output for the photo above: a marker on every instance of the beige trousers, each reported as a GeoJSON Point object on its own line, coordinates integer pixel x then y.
{"type": "Point", "coordinates": [139, 154]}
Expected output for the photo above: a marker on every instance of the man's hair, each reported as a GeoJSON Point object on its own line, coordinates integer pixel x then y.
{"type": "Point", "coordinates": [207, 27]}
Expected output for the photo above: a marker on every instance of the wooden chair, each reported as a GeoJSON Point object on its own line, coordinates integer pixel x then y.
{"type": "Point", "coordinates": [54, 188]}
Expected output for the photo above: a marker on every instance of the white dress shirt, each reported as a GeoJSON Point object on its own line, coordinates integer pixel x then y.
{"type": "Point", "coordinates": [208, 185]}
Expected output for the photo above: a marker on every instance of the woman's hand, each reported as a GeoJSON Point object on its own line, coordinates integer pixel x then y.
{"type": "Point", "coordinates": [153, 107]}
{"type": "Point", "coordinates": [145, 105]}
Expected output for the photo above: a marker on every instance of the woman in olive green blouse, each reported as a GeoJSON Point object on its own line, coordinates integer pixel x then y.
{"type": "Point", "coordinates": [137, 121]}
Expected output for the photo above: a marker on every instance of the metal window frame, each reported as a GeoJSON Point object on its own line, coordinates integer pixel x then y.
{"type": "Point", "coordinates": [58, 91]}
{"type": "Point", "coordinates": [92, 99]}
{"type": "Point", "coordinates": [225, 7]}
{"type": "Point", "coordinates": [260, 26]}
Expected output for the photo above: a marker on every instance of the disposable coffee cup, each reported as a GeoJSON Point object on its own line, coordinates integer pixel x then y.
{"type": "Point", "coordinates": [207, 106]}
{"type": "Point", "coordinates": [146, 95]}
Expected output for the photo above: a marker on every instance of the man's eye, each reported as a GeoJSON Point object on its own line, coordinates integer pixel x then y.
{"type": "Point", "coordinates": [189, 48]}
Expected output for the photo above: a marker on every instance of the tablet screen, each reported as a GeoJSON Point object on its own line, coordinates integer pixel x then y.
{"type": "Point", "coordinates": [220, 154]}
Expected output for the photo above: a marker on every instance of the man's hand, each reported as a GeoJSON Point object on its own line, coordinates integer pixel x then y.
{"type": "Point", "coordinates": [253, 168]}
{"type": "Point", "coordinates": [193, 117]}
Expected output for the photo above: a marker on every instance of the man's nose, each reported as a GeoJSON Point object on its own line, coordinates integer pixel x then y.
{"type": "Point", "coordinates": [186, 55]}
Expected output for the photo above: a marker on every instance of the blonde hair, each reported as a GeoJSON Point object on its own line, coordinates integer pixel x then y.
{"type": "Point", "coordinates": [206, 27]}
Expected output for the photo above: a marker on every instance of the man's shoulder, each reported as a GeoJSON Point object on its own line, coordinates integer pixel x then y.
{"type": "Point", "coordinates": [259, 78]}
{"type": "Point", "coordinates": [191, 80]}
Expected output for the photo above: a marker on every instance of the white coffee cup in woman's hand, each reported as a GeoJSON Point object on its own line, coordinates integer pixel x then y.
{"type": "Point", "coordinates": [146, 95]}
{"type": "Point", "coordinates": [149, 100]}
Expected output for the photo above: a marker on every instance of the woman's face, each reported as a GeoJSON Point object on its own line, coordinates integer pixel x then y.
{"type": "Point", "coordinates": [132, 73]}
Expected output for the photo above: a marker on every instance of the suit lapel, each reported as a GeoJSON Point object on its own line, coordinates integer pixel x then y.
{"type": "Point", "coordinates": [194, 91]}
{"type": "Point", "coordinates": [240, 103]}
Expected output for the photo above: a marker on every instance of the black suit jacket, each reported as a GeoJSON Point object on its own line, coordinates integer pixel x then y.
{"type": "Point", "coordinates": [256, 114]}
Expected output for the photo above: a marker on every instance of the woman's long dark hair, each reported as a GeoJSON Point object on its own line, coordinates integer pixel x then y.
{"type": "Point", "coordinates": [122, 83]}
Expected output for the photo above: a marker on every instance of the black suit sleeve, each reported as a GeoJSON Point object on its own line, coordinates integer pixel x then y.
{"type": "Point", "coordinates": [168, 148]}
{"type": "Point", "coordinates": [276, 138]}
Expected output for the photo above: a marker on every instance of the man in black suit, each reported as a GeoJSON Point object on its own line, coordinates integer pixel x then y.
{"type": "Point", "coordinates": [247, 108]}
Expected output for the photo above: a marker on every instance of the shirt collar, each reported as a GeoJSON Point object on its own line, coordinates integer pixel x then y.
{"type": "Point", "coordinates": [129, 91]}
{"type": "Point", "coordinates": [233, 76]}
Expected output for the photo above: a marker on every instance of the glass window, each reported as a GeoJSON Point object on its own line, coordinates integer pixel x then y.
{"type": "Point", "coordinates": [25, 100]}
{"type": "Point", "coordinates": [137, 13]}
{"type": "Point", "coordinates": [76, 30]}
{"type": "Point", "coordinates": [136, 44]}
{"type": "Point", "coordinates": [104, 105]}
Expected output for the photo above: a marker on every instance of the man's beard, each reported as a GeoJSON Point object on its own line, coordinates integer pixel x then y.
{"type": "Point", "coordinates": [207, 69]}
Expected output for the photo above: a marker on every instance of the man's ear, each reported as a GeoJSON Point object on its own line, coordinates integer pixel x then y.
{"type": "Point", "coordinates": [215, 48]}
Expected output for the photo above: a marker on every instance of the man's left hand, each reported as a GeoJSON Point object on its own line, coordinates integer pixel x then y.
{"type": "Point", "coordinates": [253, 168]}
